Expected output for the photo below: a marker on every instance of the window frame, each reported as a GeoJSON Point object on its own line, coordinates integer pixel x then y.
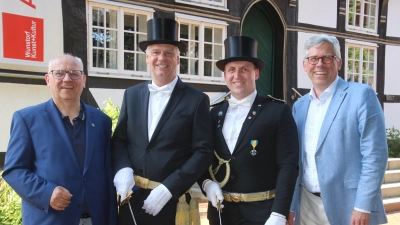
{"type": "Point", "coordinates": [121, 10]}
{"type": "Point", "coordinates": [202, 23]}
{"type": "Point", "coordinates": [360, 28]}
{"type": "Point", "coordinates": [206, 3]}
{"type": "Point", "coordinates": [362, 46]}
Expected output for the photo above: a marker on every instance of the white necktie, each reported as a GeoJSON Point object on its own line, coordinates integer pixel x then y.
{"type": "Point", "coordinates": [233, 103]}
{"type": "Point", "coordinates": [163, 89]}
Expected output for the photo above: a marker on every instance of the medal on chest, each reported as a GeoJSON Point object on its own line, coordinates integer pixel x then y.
{"type": "Point", "coordinates": [253, 143]}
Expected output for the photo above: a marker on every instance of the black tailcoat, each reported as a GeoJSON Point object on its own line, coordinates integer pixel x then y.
{"type": "Point", "coordinates": [180, 149]}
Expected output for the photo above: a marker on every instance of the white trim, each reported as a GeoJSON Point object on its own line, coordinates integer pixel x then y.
{"type": "Point", "coordinates": [121, 10]}
{"type": "Point", "coordinates": [222, 7]}
{"type": "Point", "coordinates": [18, 75]}
{"type": "Point", "coordinates": [361, 43]}
{"type": "Point", "coordinates": [125, 5]}
{"type": "Point", "coordinates": [200, 19]}
{"type": "Point", "coordinates": [360, 28]}
{"type": "Point", "coordinates": [24, 65]}
{"type": "Point", "coordinates": [362, 46]}
{"type": "Point", "coordinates": [351, 29]}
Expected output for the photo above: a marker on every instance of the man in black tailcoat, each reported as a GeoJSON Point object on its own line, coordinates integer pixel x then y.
{"type": "Point", "coordinates": [163, 133]}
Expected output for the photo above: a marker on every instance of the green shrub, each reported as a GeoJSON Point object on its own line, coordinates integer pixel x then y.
{"type": "Point", "coordinates": [10, 205]}
{"type": "Point", "coordinates": [112, 111]}
{"type": "Point", "coordinates": [393, 142]}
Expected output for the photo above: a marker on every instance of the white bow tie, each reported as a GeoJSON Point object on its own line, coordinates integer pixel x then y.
{"type": "Point", "coordinates": [233, 103]}
{"type": "Point", "coordinates": [163, 89]}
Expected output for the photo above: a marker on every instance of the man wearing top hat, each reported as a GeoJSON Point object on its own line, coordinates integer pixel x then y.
{"type": "Point", "coordinates": [255, 141]}
{"type": "Point", "coordinates": [163, 133]}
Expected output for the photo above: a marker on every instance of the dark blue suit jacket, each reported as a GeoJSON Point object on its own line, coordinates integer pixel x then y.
{"type": "Point", "coordinates": [40, 157]}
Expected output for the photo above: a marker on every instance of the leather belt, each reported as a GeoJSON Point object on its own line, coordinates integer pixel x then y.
{"type": "Point", "coordinates": [248, 197]}
{"type": "Point", "coordinates": [85, 215]}
{"type": "Point", "coordinates": [145, 183]}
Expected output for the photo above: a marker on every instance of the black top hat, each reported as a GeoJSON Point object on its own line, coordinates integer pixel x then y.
{"type": "Point", "coordinates": [162, 31]}
{"type": "Point", "coordinates": [240, 48]}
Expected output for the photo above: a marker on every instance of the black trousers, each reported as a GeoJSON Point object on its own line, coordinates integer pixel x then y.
{"type": "Point", "coordinates": [231, 214]}
{"type": "Point", "coordinates": [165, 217]}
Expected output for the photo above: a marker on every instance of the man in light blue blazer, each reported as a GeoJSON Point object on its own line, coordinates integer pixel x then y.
{"type": "Point", "coordinates": [58, 158]}
{"type": "Point", "coordinates": [343, 149]}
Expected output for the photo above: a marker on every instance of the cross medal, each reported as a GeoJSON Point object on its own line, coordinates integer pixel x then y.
{"type": "Point", "coordinates": [253, 143]}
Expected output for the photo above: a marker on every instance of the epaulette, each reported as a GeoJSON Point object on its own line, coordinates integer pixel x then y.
{"type": "Point", "coordinates": [276, 99]}
{"type": "Point", "coordinates": [222, 100]}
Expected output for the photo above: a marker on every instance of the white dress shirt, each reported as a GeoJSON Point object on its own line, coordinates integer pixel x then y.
{"type": "Point", "coordinates": [315, 116]}
{"type": "Point", "coordinates": [234, 120]}
{"type": "Point", "coordinates": [157, 103]}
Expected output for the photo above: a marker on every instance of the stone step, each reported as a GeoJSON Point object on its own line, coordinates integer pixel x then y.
{"type": "Point", "coordinates": [390, 190]}
{"type": "Point", "coordinates": [393, 164]}
{"type": "Point", "coordinates": [391, 176]}
{"type": "Point", "coordinates": [391, 204]}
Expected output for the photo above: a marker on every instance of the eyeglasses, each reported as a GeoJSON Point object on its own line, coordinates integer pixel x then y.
{"type": "Point", "coordinates": [313, 60]}
{"type": "Point", "coordinates": [73, 74]}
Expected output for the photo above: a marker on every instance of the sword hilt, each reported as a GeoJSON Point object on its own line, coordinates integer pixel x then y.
{"type": "Point", "coordinates": [219, 208]}
{"type": "Point", "coordinates": [126, 199]}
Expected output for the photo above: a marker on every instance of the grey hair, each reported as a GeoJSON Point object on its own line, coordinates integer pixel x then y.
{"type": "Point", "coordinates": [317, 40]}
{"type": "Point", "coordinates": [77, 58]}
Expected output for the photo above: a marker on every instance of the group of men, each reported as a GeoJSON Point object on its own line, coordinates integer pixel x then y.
{"type": "Point", "coordinates": [257, 161]}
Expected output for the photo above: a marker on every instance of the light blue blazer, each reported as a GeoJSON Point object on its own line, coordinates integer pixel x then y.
{"type": "Point", "coordinates": [40, 157]}
{"type": "Point", "coordinates": [351, 153]}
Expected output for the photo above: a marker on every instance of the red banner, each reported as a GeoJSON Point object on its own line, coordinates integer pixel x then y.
{"type": "Point", "coordinates": [22, 37]}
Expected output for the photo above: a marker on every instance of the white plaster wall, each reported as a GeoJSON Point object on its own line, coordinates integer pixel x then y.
{"type": "Point", "coordinates": [391, 111]}
{"type": "Point", "coordinates": [392, 74]}
{"type": "Point", "coordinates": [302, 78]}
{"type": "Point", "coordinates": [102, 94]}
{"type": "Point", "coordinates": [393, 18]}
{"type": "Point", "coordinates": [321, 13]}
{"type": "Point", "coordinates": [15, 97]}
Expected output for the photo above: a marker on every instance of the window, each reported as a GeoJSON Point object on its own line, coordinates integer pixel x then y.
{"type": "Point", "coordinates": [114, 36]}
{"type": "Point", "coordinates": [361, 64]}
{"type": "Point", "coordinates": [362, 15]}
{"type": "Point", "coordinates": [216, 4]}
{"type": "Point", "coordinates": [205, 48]}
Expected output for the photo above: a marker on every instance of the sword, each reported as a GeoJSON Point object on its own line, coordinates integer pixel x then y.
{"type": "Point", "coordinates": [126, 200]}
{"type": "Point", "coordinates": [219, 209]}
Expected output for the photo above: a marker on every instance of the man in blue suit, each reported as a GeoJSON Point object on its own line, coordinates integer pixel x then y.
{"type": "Point", "coordinates": [343, 150]}
{"type": "Point", "coordinates": [58, 158]}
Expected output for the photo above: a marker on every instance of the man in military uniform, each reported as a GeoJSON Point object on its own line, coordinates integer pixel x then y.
{"type": "Point", "coordinates": [256, 146]}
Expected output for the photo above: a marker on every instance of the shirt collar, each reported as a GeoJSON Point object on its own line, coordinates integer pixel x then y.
{"type": "Point", "coordinates": [325, 94]}
{"type": "Point", "coordinates": [170, 85]}
{"type": "Point", "coordinates": [80, 116]}
{"type": "Point", "coordinates": [251, 97]}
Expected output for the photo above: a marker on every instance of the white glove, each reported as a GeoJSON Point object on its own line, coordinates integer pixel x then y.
{"type": "Point", "coordinates": [276, 219]}
{"type": "Point", "coordinates": [157, 199]}
{"type": "Point", "coordinates": [213, 192]}
{"type": "Point", "coordinates": [124, 182]}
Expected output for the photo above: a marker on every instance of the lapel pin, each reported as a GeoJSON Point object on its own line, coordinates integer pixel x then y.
{"type": "Point", "coordinates": [92, 124]}
{"type": "Point", "coordinates": [254, 113]}
{"type": "Point", "coordinates": [220, 113]}
{"type": "Point", "coordinates": [253, 143]}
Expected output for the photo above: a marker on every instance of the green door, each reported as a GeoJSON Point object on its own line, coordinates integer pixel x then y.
{"type": "Point", "coordinates": [257, 24]}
